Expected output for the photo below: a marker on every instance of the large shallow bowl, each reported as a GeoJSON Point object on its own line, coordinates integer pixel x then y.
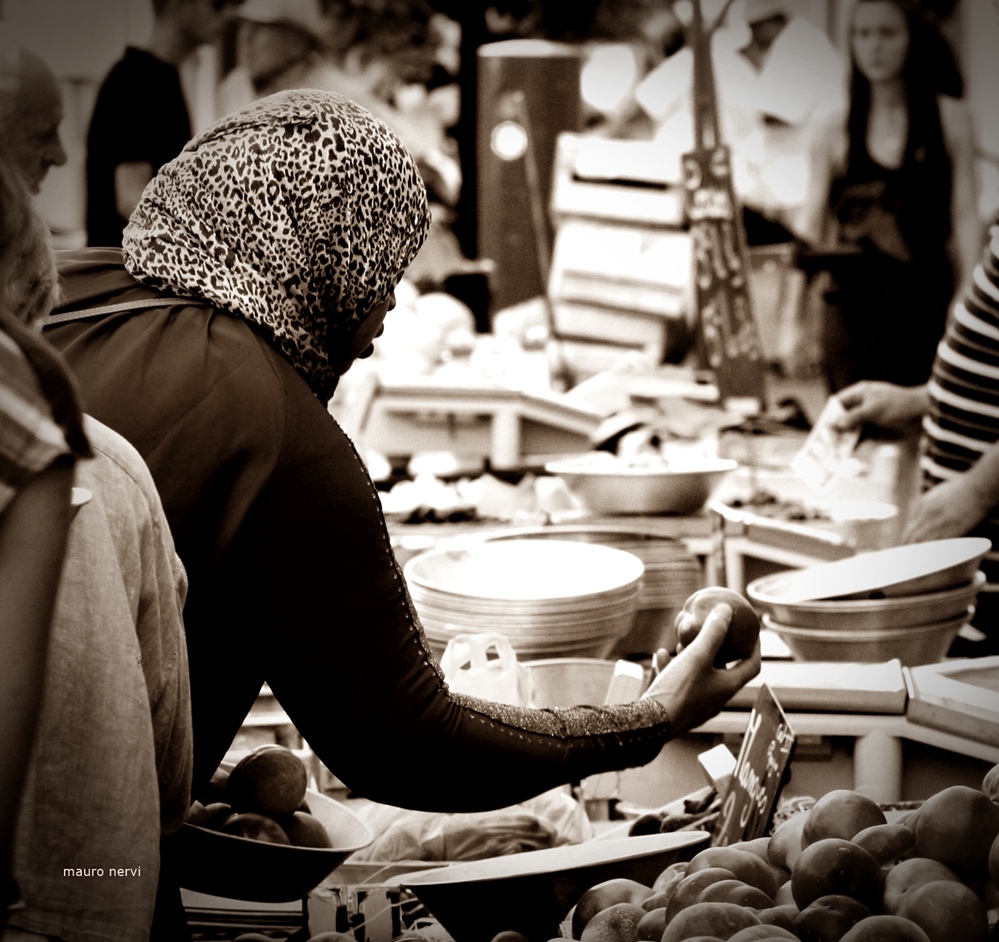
{"type": "Point", "coordinates": [240, 868]}
{"type": "Point", "coordinates": [912, 645]}
{"type": "Point", "coordinates": [551, 572]}
{"type": "Point", "coordinates": [863, 614]}
{"type": "Point", "coordinates": [613, 487]}
{"type": "Point", "coordinates": [531, 893]}
{"type": "Point", "coordinates": [916, 568]}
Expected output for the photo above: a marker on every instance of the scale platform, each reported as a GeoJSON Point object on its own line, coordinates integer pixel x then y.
{"type": "Point", "coordinates": [960, 697]}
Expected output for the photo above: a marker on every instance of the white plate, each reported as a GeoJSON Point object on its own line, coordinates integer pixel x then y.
{"type": "Point", "coordinates": [901, 570]}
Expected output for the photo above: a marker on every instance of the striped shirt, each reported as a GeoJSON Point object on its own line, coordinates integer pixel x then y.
{"type": "Point", "coordinates": [30, 439]}
{"type": "Point", "coordinates": [963, 419]}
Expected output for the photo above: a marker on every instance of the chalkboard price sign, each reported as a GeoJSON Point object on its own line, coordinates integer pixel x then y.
{"type": "Point", "coordinates": [729, 340]}
{"type": "Point", "coordinates": [751, 798]}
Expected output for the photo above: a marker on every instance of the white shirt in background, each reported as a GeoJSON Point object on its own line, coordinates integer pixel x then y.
{"type": "Point", "coordinates": [766, 117]}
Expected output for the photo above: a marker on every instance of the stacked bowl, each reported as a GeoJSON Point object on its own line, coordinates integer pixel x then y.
{"type": "Point", "coordinates": [604, 483]}
{"type": "Point", "coordinates": [672, 574]}
{"type": "Point", "coordinates": [548, 597]}
{"type": "Point", "coordinates": [907, 602]}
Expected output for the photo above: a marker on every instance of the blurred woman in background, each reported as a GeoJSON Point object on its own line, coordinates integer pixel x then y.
{"type": "Point", "coordinates": [893, 201]}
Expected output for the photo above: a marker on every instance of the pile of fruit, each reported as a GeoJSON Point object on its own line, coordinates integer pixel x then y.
{"type": "Point", "coordinates": [262, 798]}
{"type": "Point", "coordinates": [838, 872]}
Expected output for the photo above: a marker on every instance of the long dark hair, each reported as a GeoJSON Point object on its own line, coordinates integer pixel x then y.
{"type": "Point", "coordinates": [923, 75]}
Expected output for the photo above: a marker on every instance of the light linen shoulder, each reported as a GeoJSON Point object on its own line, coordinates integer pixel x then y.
{"type": "Point", "coordinates": [30, 439]}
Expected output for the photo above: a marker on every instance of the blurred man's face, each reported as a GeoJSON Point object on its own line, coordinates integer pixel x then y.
{"type": "Point", "coordinates": [268, 49]}
{"type": "Point", "coordinates": [33, 143]}
{"type": "Point", "coordinates": [204, 20]}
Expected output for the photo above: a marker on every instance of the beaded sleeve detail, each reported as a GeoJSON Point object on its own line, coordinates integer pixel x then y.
{"type": "Point", "coordinates": [643, 717]}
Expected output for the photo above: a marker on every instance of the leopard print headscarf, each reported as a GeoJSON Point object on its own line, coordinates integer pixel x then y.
{"type": "Point", "coordinates": [299, 212]}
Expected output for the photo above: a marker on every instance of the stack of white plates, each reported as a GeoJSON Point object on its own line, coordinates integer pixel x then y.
{"type": "Point", "coordinates": [672, 574]}
{"type": "Point", "coordinates": [548, 597]}
{"type": "Point", "coordinates": [908, 602]}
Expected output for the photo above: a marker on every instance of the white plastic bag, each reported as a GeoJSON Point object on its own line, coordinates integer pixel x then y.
{"type": "Point", "coordinates": [486, 666]}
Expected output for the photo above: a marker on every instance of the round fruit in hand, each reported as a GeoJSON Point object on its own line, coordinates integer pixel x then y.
{"type": "Point", "coordinates": [743, 630]}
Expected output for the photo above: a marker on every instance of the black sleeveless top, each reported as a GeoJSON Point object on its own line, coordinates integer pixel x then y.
{"type": "Point", "coordinates": [902, 212]}
{"type": "Point", "coordinates": [891, 299]}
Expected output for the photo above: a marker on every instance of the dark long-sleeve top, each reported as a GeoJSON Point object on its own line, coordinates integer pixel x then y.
{"type": "Point", "coordinates": [292, 577]}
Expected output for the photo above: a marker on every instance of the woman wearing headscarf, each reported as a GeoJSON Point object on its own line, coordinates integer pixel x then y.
{"type": "Point", "coordinates": [258, 265]}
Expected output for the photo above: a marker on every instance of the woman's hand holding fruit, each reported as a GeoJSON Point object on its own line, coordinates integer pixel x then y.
{"type": "Point", "coordinates": [743, 628]}
{"type": "Point", "coordinates": [696, 684]}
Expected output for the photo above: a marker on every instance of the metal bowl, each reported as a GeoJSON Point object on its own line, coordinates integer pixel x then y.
{"type": "Point", "coordinates": [532, 892]}
{"type": "Point", "coordinates": [612, 487]}
{"type": "Point", "coordinates": [235, 867]}
{"type": "Point", "coordinates": [913, 569]}
{"type": "Point", "coordinates": [863, 614]}
{"type": "Point", "coordinates": [912, 645]}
